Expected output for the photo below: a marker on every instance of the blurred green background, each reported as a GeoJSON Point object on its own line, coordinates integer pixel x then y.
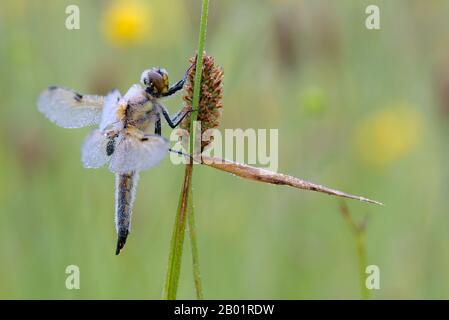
{"type": "Point", "coordinates": [362, 111]}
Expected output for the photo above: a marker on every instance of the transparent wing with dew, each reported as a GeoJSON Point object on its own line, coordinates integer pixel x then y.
{"type": "Point", "coordinates": [69, 109]}
{"type": "Point", "coordinates": [93, 151]}
{"type": "Point", "coordinates": [136, 152]}
{"type": "Point", "coordinates": [109, 116]}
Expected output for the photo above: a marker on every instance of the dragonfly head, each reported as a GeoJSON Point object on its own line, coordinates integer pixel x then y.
{"type": "Point", "coordinates": [155, 81]}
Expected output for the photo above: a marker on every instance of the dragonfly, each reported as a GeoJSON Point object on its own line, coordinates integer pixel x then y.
{"type": "Point", "coordinates": [129, 134]}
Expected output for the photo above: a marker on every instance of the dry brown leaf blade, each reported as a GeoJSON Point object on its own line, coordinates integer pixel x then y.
{"type": "Point", "coordinates": [267, 176]}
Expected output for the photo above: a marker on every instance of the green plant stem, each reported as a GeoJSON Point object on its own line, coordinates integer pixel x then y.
{"type": "Point", "coordinates": [194, 116]}
{"type": "Point", "coordinates": [194, 248]}
{"type": "Point", "coordinates": [185, 200]}
{"type": "Point", "coordinates": [359, 234]}
{"type": "Point", "coordinates": [177, 241]}
{"type": "Point", "coordinates": [198, 74]}
{"type": "Point", "coordinates": [361, 254]}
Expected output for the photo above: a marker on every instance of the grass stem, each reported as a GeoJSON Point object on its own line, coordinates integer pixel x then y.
{"type": "Point", "coordinates": [359, 233]}
{"type": "Point", "coordinates": [177, 241]}
{"type": "Point", "coordinates": [194, 248]}
{"type": "Point", "coordinates": [185, 206]}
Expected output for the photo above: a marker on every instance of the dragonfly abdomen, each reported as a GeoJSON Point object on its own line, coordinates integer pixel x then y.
{"type": "Point", "coordinates": [125, 189]}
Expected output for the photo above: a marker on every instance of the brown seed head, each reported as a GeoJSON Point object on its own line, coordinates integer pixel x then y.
{"type": "Point", "coordinates": [210, 105]}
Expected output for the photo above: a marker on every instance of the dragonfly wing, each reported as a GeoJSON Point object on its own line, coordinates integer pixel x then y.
{"type": "Point", "coordinates": [69, 109]}
{"type": "Point", "coordinates": [109, 115]}
{"type": "Point", "coordinates": [134, 152]}
{"type": "Point", "coordinates": [93, 151]}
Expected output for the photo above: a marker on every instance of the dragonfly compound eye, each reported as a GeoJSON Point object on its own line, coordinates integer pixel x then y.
{"type": "Point", "coordinates": [156, 80]}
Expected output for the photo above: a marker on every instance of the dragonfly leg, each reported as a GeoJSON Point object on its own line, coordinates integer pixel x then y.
{"type": "Point", "coordinates": [157, 126]}
{"type": "Point", "coordinates": [174, 121]}
{"type": "Point", "coordinates": [178, 85]}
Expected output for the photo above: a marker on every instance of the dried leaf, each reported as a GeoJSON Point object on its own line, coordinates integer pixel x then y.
{"type": "Point", "coordinates": [267, 176]}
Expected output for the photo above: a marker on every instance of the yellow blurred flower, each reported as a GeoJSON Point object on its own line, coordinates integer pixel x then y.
{"type": "Point", "coordinates": [127, 22]}
{"type": "Point", "coordinates": [388, 135]}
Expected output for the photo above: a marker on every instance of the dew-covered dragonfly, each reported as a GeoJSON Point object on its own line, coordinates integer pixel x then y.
{"type": "Point", "coordinates": [128, 137]}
